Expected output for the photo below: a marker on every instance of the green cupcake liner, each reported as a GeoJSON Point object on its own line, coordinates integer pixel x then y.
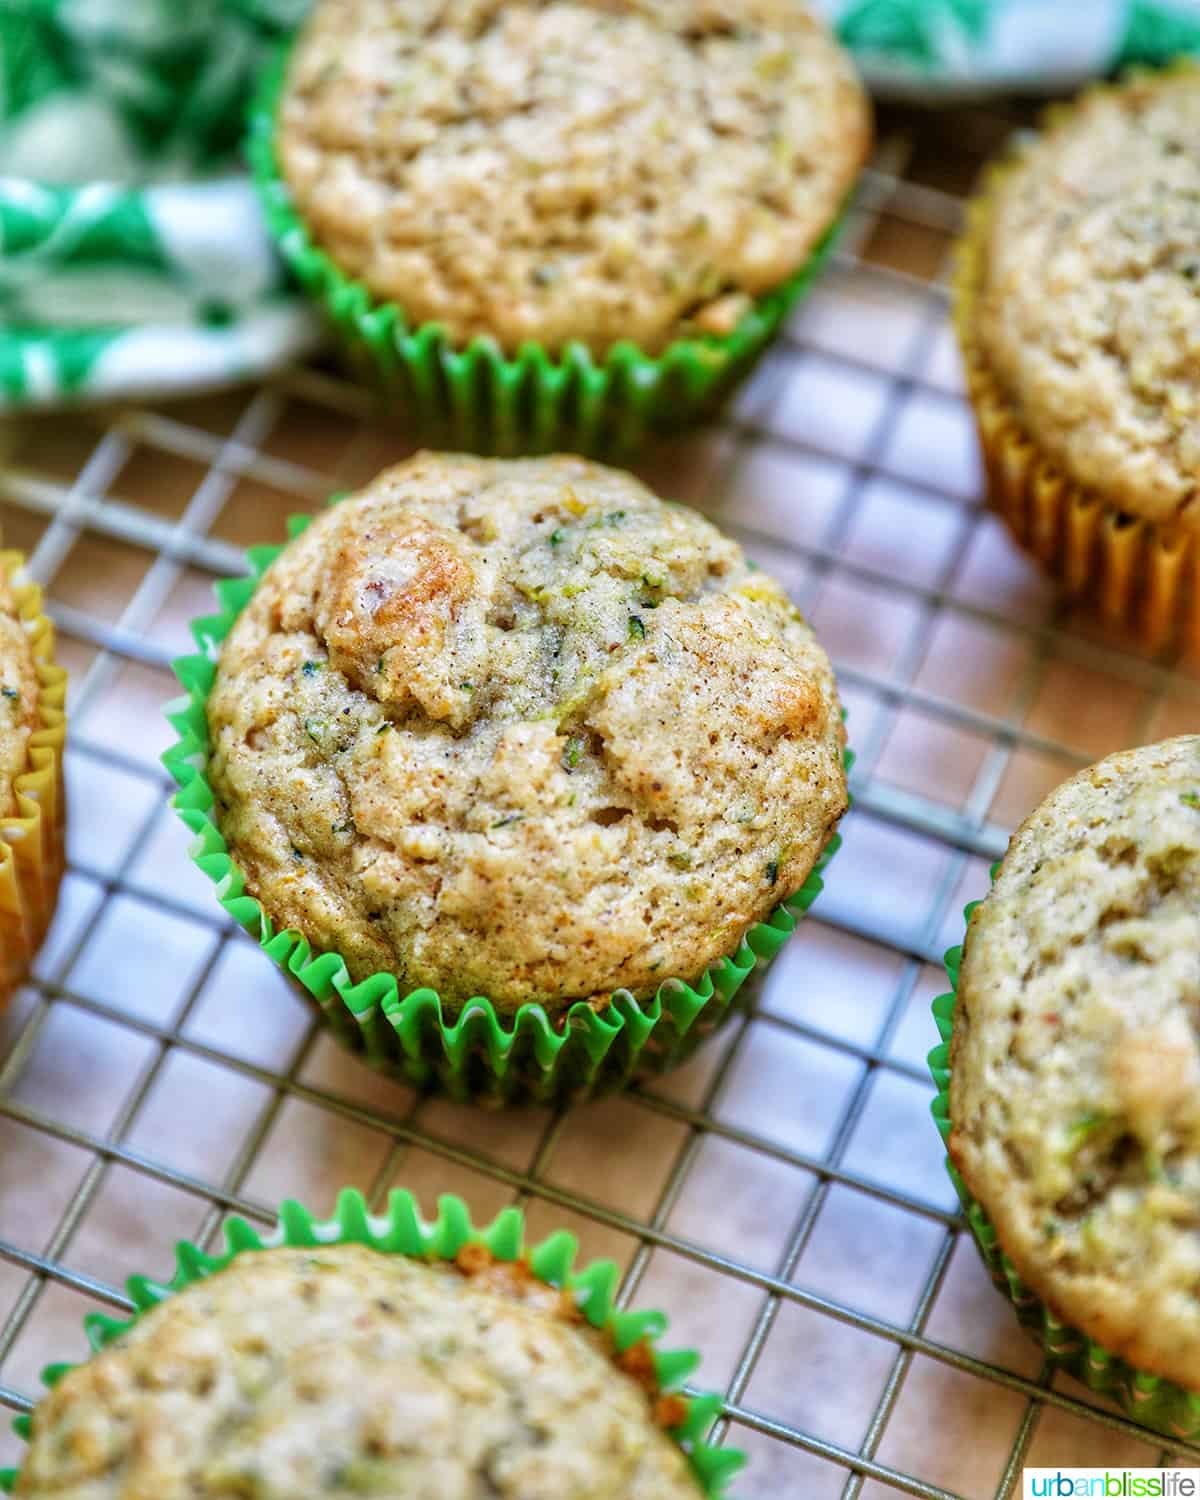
{"type": "Point", "coordinates": [401, 1231]}
{"type": "Point", "coordinates": [1149, 1400]}
{"type": "Point", "coordinates": [481, 399]}
{"type": "Point", "coordinates": [474, 1055]}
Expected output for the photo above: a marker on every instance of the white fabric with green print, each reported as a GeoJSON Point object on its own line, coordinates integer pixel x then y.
{"type": "Point", "coordinates": [941, 49]}
{"type": "Point", "coordinates": [128, 268]}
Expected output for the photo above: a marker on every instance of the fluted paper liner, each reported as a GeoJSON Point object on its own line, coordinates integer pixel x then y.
{"type": "Point", "coordinates": [1141, 576]}
{"type": "Point", "coordinates": [478, 1053]}
{"type": "Point", "coordinates": [478, 397]}
{"type": "Point", "coordinates": [401, 1231]}
{"type": "Point", "coordinates": [31, 840]}
{"type": "Point", "coordinates": [1149, 1399]}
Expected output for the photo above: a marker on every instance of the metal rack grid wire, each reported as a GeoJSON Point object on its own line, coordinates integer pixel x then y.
{"type": "Point", "coordinates": [783, 1196]}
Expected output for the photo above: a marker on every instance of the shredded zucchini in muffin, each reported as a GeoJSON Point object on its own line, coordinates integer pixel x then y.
{"type": "Point", "coordinates": [522, 730]}
{"type": "Point", "coordinates": [578, 169]}
{"type": "Point", "coordinates": [1089, 311]}
{"type": "Point", "coordinates": [343, 1372]}
{"type": "Point", "coordinates": [1075, 1065]}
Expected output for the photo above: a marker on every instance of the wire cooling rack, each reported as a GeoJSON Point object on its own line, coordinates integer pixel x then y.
{"type": "Point", "coordinates": [783, 1197]}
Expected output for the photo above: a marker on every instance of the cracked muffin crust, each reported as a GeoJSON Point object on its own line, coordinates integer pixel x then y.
{"type": "Point", "coordinates": [522, 730]}
{"type": "Point", "coordinates": [32, 854]}
{"type": "Point", "coordinates": [345, 1371]}
{"type": "Point", "coordinates": [558, 170]}
{"type": "Point", "coordinates": [19, 694]}
{"type": "Point", "coordinates": [1074, 1060]}
{"type": "Point", "coordinates": [1088, 313]}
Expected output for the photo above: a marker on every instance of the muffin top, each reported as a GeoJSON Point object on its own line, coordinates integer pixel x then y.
{"type": "Point", "coordinates": [1089, 313]}
{"type": "Point", "coordinates": [521, 730]}
{"type": "Point", "coordinates": [570, 169]}
{"type": "Point", "coordinates": [1075, 1070]}
{"type": "Point", "coordinates": [344, 1371]}
{"type": "Point", "coordinates": [19, 695]}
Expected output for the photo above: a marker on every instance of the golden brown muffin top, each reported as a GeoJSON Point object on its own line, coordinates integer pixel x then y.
{"type": "Point", "coordinates": [522, 730]}
{"type": "Point", "coordinates": [342, 1372]}
{"type": "Point", "coordinates": [19, 696]}
{"type": "Point", "coordinates": [570, 169]}
{"type": "Point", "coordinates": [1075, 1068]}
{"type": "Point", "coordinates": [1089, 313]}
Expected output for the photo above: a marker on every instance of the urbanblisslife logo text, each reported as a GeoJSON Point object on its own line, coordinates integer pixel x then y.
{"type": "Point", "coordinates": [1112, 1484]}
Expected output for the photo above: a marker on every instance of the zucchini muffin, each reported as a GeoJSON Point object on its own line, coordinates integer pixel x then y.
{"type": "Point", "coordinates": [1074, 1062]}
{"type": "Point", "coordinates": [32, 694]}
{"type": "Point", "coordinates": [1079, 316]}
{"type": "Point", "coordinates": [559, 170]}
{"type": "Point", "coordinates": [521, 730]}
{"type": "Point", "coordinates": [345, 1371]}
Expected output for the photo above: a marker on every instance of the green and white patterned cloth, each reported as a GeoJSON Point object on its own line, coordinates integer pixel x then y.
{"type": "Point", "coordinates": [944, 49]}
{"type": "Point", "coordinates": [129, 265]}
{"type": "Point", "coordinates": [126, 266]}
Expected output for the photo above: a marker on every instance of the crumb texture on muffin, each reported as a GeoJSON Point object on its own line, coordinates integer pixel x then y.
{"type": "Point", "coordinates": [578, 169]}
{"type": "Point", "coordinates": [343, 1371]}
{"type": "Point", "coordinates": [19, 695]}
{"type": "Point", "coordinates": [1089, 310]}
{"type": "Point", "coordinates": [1075, 1067]}
{"type": "Point", "coordinates": [522, 730]}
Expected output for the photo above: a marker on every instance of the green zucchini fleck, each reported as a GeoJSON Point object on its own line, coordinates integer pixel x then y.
{"type": "Point", "coordinates": [1080, 1131]}
{"type": "Point", "coordinates": [369, 1476]}
{"type": "Point", "coordinates": [637, 630]}
{"type": "Point", "coordinates": [572, 752]}
{"type": "Point", "coordinates": [1089, 1234]}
